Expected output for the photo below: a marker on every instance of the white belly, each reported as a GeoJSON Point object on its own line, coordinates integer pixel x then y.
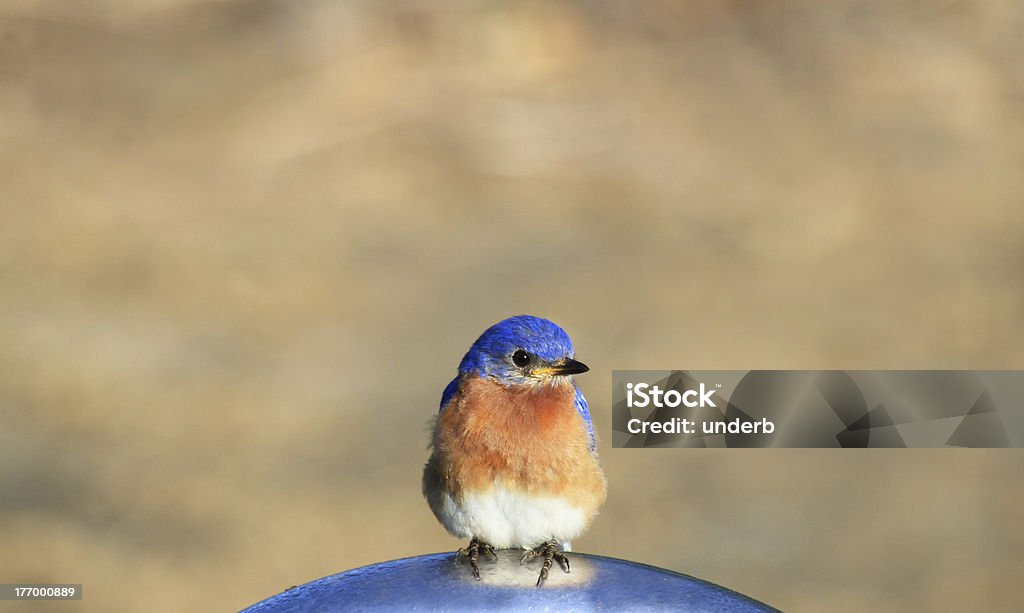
{"type": "Point", "coordinates": [509, 518]}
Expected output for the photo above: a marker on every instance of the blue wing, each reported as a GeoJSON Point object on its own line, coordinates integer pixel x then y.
{"type": "Point", "coordinates": [584, 410]}
{"type": "Point", "coordinates": [449, 393]}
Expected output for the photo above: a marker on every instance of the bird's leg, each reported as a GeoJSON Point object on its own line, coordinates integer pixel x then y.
{"type": "Point", "coordinates": [473, 553]}
{"type": "Point", "coordinates": [550, 553]}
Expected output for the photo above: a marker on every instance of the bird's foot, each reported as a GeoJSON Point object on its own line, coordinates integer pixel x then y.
{"type": "Point", "coordinates": [473, 553]}
{"type": "Point", "coordinates": [551, 553]}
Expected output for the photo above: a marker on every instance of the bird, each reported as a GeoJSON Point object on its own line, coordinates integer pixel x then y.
{"type": "Point", "coordinates": [513, 461]}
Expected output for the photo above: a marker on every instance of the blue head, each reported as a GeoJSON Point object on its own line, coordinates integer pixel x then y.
{"type": "Point", "coordinates": [522, 350]}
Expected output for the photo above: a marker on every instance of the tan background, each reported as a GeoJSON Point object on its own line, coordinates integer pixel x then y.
{"type": "Point", "coordinates": [244, 245]}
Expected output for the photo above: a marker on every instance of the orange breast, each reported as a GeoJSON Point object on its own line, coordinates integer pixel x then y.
{"type": "Point", "coordinates": [533, 440]}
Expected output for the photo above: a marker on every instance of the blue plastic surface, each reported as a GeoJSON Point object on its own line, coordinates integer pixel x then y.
{"type": "Point", "coordinates": [436, 583]}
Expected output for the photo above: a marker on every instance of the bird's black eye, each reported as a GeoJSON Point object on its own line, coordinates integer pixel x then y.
{"type": "Point", "coordinates": [520, 358]}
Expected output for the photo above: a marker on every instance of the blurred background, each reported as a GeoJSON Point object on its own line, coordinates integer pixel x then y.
{"type": "Point", "coordinates": [244, 244]}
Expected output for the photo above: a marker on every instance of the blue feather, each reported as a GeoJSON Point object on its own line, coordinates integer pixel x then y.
{"type": "Point", "coordinates": [584, 410]}
{"type": "Point", "coordinates": [489, 355]}
{"type": "Point", "coordinates": [449, 392]}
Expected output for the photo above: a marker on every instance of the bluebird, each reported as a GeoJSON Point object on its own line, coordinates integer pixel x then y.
{"type": "Point", "coordinates": [514, 460]}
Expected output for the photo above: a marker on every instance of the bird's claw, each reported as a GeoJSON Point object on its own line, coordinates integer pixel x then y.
{"type": "Point", "coordinates": [472, 551]}
{"type": "Point", "coordinates": [551, 553]}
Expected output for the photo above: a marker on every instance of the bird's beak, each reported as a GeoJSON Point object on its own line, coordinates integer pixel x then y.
{"type": "Point", "coordinates": [568, 366]}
